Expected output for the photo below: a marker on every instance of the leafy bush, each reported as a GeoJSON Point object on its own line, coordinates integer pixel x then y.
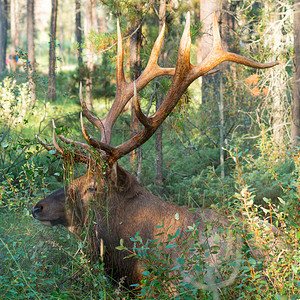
{"type": "Point", "coordinates": [14, 103]}
{"type": "Point", "coordinates": [42, 263]}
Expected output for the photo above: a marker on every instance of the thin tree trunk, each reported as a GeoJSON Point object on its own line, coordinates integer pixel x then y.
{"type": "Point", "coordinates": [14, 29]}
{"type": "Point", "coordinates": [204, 45]}
{"type": "Point", "coordinates": [14, 25]}
{"type": "Point", "coordinates": [3, 34]}
{"type": "Point", "coordinates": [221, 116]}
{"type": "Point", "coordinates": [295, 128]}
{"type": "Point", "coordinates": [159, 99]}
{"type": "Point", "coordinates": [278, 90]}
{"type": "Point", "coordinates": [78, 31]}
{"type": "Point", "coordinates": [52, 56]}
{"type": "Point", "coordinates": [30, 48]}
{"type": "Point", "coordinates": [135, 66]}
{"type": "Point", "coordinates": [88, 26]}
{"type": "Point", "coordinates": [60, 28]}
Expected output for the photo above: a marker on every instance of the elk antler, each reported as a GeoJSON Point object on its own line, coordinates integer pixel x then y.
{"type": "Point", "coordinates": [183, 75]}
{"type": "Point", "coordinates": [124, 89]}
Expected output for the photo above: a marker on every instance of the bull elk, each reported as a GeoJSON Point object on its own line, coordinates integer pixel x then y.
{"type": "Point", "coordinates": [120, 206]}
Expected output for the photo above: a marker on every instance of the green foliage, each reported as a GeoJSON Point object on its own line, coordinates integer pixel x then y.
{"type": "Point", "coordinates": [102, 76]}
{"type": "Point", "coordinates": [14, 104]}
{"type": "Point", "coordinates": [273, 271]}
{"type": "Point", "coordinates": [179, 275]}
{"type": "Point", "coordinates": [261, 179]}
{"type": "Point", "coordinates": [40, 263]}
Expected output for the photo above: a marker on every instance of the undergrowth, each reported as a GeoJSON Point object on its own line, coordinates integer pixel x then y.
{"type": "Point", "coordinates": [49, 263]}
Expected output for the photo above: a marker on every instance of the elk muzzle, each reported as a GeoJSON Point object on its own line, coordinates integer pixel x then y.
{"type": "Point", "coordinates": [51, 210]}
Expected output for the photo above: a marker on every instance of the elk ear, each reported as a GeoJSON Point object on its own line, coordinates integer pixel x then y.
{"type": "Point", "coordinates": [119, 178]}
{"type": "Point", "coordinates": [114, 174]}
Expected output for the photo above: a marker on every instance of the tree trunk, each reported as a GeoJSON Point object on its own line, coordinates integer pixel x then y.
{"type": "Point", "coordinates": [14, 30]}
{"type": "Point", "coordinates": [278, 86]}
{"type": "Point", "coordinates": [52, 57]}
{"type": "Point", "coordinates": [159, 99]}
{"type": "Point", "coordinates": [78, 31]}
{"type": "Point", "coordinates": [135, 67]}
{"type": "Point", "coordinates": [295, 128]}
{"type": "Point", "coordinates": [204, 45]}
{"type": "Point", "coordinates": [14, 25]}
{"type": "Point", "coordinates": [222, 129]}
{"type": "Point", "coordinates": [88, 26]}
{"type": "Point", "coordinates": [60, 28]}
{"type": "Point", "coordinates": [30, 48]}
{"type": "Point", "coordinates": [3, 34]}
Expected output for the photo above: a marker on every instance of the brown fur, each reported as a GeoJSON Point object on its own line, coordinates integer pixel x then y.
{"type": "Point", "coordinates": [120, 212]}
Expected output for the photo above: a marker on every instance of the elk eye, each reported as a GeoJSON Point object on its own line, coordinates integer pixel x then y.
{"type": "Point", "coordinates": [92, 189]}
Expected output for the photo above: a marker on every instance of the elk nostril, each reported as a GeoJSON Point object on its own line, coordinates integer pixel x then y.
{"type": "Point", "coordinates": [37, 209]}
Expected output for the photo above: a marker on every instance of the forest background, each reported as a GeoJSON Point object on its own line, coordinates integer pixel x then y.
{"type": "Point", "coordinates": [232, 142]}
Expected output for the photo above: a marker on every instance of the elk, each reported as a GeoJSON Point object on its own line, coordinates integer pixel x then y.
{"type": "Point", "coordinates": [119, 204]}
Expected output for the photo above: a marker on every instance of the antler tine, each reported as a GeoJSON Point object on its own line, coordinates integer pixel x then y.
{"type": "Point", "coordinates": [179, 83]}
{"type": "Point", "coordinates": [65, 140]}
{"type": "Point", "coordinates": [78, 156]}
{"type": "Point", "coordinates": [55, 144]}
{"type": "Point", "coordinates": [44, 144]}
{"type": "Point", "coordinates": [96, 144]}
{"type": "Point", "coordinates": [217, 55]}
{"type": "Point", "coordinates": [136, 105]}
{"type": "Point", "coordinates": [183, 56]}
{"type": "Point", "coordinates": [95, 121]}
{"type": "Point", "coordinates": [157, 45]}
{"type": "Point", "coordinates": [84, 132]}
{"type": "Point", "coordinates": [153, 69]}
{"type": "Point", "coordinates": [120, 70]}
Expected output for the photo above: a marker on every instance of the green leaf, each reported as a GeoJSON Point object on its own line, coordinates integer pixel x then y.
{"type": "Point", "coordinates": [294, 269]}
{"type": "Point", "coordinates": [217, 238]}
{"type": "Point", "coordinates": [52, 152]}
{"type": "Point", "coordinates": [177, 216]}
{"type": "Point", "coordinates": [181, 260]}
{"type": "Point", "coordinates": [177, 233]}
{"type": "Point", "coordinates": [281, 200]}
{"type": "Point", "coordinates": [171, 246]}
{"type": "Point", "coordinates": [295, 224]}
{"type": "Point", "coordinates": [5, 144]}
{"type": "Point", "coordinates": [120, 248]}
{"type": "Point", "coordinates": [139, 239]}
{"type": "Point", "coordinates": [175, 268]}
{"type": "Point", "coordinates": [251, 261]}
{"type": "Point", "coordinates": [130, 255]}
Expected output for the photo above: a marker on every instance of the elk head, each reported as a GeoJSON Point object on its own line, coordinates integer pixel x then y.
{"type": "Point", "coordinates": [107, 187]}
